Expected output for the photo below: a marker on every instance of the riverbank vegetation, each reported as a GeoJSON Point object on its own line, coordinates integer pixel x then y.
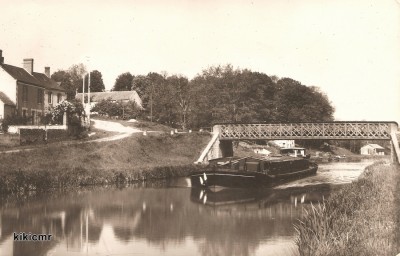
{"type": "Point", "coordinates": [139, 157]}
{"type": "Point", "coordinates": [360, 219]}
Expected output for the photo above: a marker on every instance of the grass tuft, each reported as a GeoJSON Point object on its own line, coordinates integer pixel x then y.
{"type": "Point", "coordinates": [359, 219]}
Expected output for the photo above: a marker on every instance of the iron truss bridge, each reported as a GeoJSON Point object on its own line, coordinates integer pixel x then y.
{"type": "Point", "coordinates": [326, 130]}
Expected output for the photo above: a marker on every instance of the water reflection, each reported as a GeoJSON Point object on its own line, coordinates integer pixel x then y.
{"type": "Point", "coordinates": [157, 220]}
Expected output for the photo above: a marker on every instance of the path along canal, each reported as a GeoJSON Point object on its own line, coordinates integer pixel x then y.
{"type": "Point", "coordinates": [168, 218]}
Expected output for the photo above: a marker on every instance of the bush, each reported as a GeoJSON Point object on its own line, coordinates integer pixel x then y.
{"type": "Point", "coordinates": [72, 108]}
{"type": "Point", "coordinates": [14, 120]}
{"type": "Point", "coordinates": [32, 136]}
{"type": "Point", "coordinates": [111, 108]}
{"type": "Point", "coordinates": [3, 126]}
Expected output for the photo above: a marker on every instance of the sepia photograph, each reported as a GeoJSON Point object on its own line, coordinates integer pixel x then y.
{"type": "Point", "coordinates": [201, 128]}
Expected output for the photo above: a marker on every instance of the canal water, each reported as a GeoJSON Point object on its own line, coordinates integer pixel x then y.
{"type": "Point", "coordinates": [168, 218]}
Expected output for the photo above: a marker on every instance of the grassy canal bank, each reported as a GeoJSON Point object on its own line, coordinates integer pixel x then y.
{"type": "Point", "coordinates": [134, 158]}
{"type": "Point", "coordinates": [360, 219]}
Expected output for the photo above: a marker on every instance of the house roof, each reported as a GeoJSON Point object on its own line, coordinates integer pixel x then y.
{"type": "Point", "coordinates": [47, 82]}
{"type": "Point", "coordinates": [20, 74]}
{"type": "Point", "coordinates": [38, 79]}
{"type": "Point", "coordinates": [6, 100]}
{"type": "Point", "coordinates": [116, 95]}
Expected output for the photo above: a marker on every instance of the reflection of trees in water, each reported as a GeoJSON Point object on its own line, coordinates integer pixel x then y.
{"type": "Point", "coordinates": [124, 234]}
{"type": "Point", "coordinates": [94, 232]}
{"type": "Point", "coordinates": [161, 216]}
{"type": "Point", "coordinates": [32, 248]}
{"type": "Point", "coordinates": [38, 218]}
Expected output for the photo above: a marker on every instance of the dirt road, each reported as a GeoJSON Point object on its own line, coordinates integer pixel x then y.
{"type": "Point", "coordinates": [125, 131]}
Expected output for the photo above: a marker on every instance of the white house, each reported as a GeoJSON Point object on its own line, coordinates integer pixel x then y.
{"type": "Point", "coordinates": [261, 151]}
{"type": "Point", "coordinates": [115, 96]}
{"type": "Point", "coordinates": [372, 149]}
{"type": "Point", "coordinates": [23, 90]}
{"type": "Point", "coordinates": [284, 143]}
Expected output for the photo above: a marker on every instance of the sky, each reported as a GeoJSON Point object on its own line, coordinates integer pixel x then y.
{"type": "Point", "coordinates": [349, 49]}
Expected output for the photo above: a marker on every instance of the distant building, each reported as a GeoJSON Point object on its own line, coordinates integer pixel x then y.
{"type": "Point", "coordinates": [284, 143]}
{"type": "Point", "coordinates": [372, 149]}
{"type": "Point", "coordinates": [26, 93]}
{"type": "Point", "coordinates": [261, 151]}
{"type": "Point", "coordinates": [115, 96]}
{"type": "Point", "coordinates": [293, 151]}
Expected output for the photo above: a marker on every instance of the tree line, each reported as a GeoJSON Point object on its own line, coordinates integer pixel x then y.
{"type": "Point", "coordinates": [217, 94]}
{"type": "Point", "coordinates": [72, 80]}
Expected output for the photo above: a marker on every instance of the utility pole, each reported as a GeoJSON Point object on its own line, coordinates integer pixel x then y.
{"type": "Point", "coordinates": [151, 102]}
{"type": "Point", "coordinates": [83, 91]}
{"type": "Point", "coordinates": [89, 99]}
{"type": "Point", "coordinates": [88, 104]}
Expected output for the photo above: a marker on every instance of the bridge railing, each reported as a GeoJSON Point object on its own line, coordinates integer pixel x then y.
{"type": "Point", "coordinates": [327, 130]}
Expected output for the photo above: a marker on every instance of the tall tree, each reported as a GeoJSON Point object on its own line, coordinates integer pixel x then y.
{"type": "Point", "coordinates": [141, 84]}
{"type": "Point", "coordinates": [96, 82]}
{"type": "Point", "coordinates": [182, 97]}
{"type": "Point", "coordinates": [162, 102]}
{"type": "Point", "coordinates": [123, 82]}
{"type": "Point", "coordinates": [224, 94]}
{"type": "Point", "coordinates": [65, 79]}
{"type": "Point", "coordinates": [295, 102]}
{"type": "Point", "coordinates": [71, 79]}
{"type": "Point", "coordinates": [157, 97]}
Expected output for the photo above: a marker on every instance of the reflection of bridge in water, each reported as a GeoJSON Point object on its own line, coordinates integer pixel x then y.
{"type": "Point", "coordinates": [221, 142]}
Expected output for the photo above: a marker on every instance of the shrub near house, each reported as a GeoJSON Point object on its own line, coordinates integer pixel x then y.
{"type": "Point", "coordinates": [74, 114]}
{"type": "Point", "coordinates": [14, 120]}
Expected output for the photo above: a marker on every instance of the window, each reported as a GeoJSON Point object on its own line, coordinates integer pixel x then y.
{"type": "Point", "coordinates": [33, 117]}
{"type": "Point", "coordinates": [24, 93]}
{"type": "Point", "coordinates": [40, 96]}
{"type": "Point", "coordinates": [59, 98]}
{"type": "Point", "coordinates": [50, 97]}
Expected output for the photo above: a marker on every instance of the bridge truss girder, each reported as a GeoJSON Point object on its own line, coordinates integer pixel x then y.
{"type": "Point", "coordinates": [304, 131]}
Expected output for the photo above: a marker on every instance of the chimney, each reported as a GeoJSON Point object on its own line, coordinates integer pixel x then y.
{"type": "Point", "coordinates": [28, 65]}
{"type": "Point", "coordinates": [47, 71]}
{"type": "Point", "coordinates": [1, 57]}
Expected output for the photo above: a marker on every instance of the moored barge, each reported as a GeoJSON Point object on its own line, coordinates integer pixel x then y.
{"type": "Point", "coordinates": [252, 172]}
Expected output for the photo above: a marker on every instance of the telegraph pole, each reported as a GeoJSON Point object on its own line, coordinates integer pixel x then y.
{"type": "Point", "coordinates": [151, 99]}
{"type": "Point", "coordinates": [83, 91]}
{"type": "Point", "coordinates": [88, 104]}
{"type": "Point", "coordinates": [89, 99]}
